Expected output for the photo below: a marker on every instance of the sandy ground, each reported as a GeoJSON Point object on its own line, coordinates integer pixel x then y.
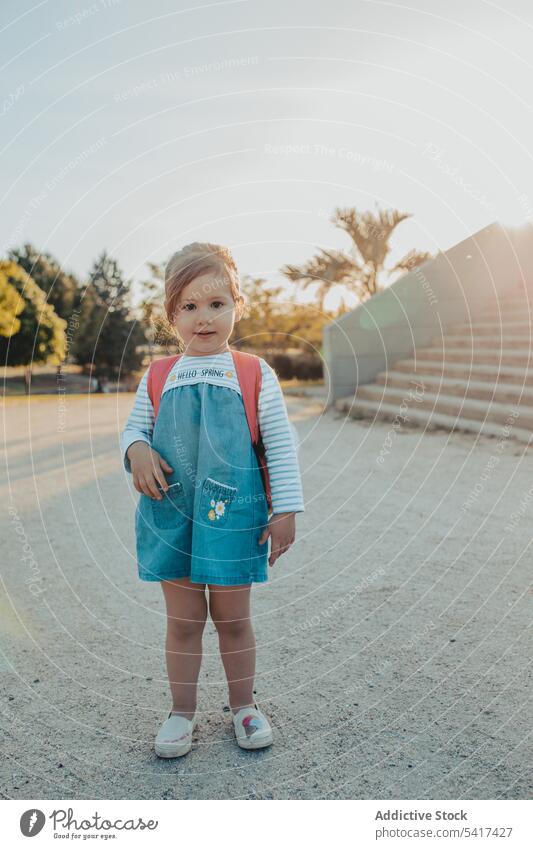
{"type": "Point", "coordinates": [392, 637]}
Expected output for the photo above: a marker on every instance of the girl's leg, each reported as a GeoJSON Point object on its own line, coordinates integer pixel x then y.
{"type": "Point", "coordinates": [186, 617]}
{"type": "Point", "coordinates": [230, 611]}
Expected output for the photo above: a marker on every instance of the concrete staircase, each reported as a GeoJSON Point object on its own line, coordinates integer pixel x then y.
{"type": "Point", "coordinates": [476, 378]}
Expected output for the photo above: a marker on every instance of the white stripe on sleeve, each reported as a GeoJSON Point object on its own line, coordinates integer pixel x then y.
{"type": "Point", "coordinates": [140, 425]}
{"type": "Point", "coordinates": [280, 445]}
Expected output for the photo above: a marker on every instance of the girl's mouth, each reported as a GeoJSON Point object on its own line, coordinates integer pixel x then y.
{"type": "Point", "coordinates": [206, 333]}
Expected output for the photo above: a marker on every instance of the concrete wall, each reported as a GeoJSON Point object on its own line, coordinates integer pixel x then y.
{"type": "Point", "coordinates": [450, 289]}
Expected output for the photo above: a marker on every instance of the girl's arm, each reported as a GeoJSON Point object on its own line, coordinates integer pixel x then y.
{"type": "Point", "coordinates": [280, 446]}
{"type": "Point", "coordinates": [140, 425]}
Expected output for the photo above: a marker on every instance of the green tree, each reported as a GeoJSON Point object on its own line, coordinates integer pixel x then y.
{"type": "Point", "coordinates": [273, 319]}
{"type": "Point", "coordinates": [361, 269]}
{"type": "Point", "coordinates": [109, 335]}
{"type": "Point", "coordinates": [41, 335]}
{"type": "Point", "coordinates": [61, 288]}
{"type": "Point", "coordinates": [11, 305]}
{"type": "Point", "coordinates": [156, 326]}
{"type": "Point", "coordinates": [262, 314]}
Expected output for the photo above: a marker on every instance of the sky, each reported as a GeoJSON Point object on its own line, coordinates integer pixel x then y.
{"type": "Point", "coordinates": [140, 127]}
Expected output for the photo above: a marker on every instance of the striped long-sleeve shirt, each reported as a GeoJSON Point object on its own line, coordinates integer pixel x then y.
{"type": "Point", "coordinates": [279, 435]}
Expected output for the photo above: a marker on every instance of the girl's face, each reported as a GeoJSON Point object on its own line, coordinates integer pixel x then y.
{"type": "Point", "coordinates": [205, 315]}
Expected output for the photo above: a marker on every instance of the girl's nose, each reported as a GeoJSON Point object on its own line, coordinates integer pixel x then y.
{"type": "Point", "coordinates": [203, 316]}
{"type": "Point", "coordinates": [202, 325]}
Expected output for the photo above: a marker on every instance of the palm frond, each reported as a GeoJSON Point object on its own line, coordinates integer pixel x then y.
{"type": "Point", "coordinates": [330, 266]}
{"type": "Point", "coordinates": [369, 231]}
{"type": "Point", "coordinates": [411, 260]}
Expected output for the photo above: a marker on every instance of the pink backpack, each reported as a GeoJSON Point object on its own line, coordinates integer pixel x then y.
{"type": "Point", "coordinates": [248, 370]}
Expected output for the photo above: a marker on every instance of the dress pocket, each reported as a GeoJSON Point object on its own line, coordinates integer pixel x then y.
{"type": "Point", "coordinates": [216, 501]}
{"type": "Point", "coordinates": [170, 511]}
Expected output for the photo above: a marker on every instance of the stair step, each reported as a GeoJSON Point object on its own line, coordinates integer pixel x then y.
{"type": "Point", "coordinates": [361, 408]}
{"type": "Point", "coordinates": [491, 328]}
{"type": "Point", "coordinates": [507, 313]}
{"type": "Point", "coordinates": [487, 390]}
{"type": "Point", "coordinates": [509, 356]}
{"type": "Point", "coordinates": [450, 405]}
{"type": "Point", "coordinates": [470, 341]}
{"type": "Point", "coordinates": [515, 374]}
{"type": "Point", "coordinates": [516, 296]}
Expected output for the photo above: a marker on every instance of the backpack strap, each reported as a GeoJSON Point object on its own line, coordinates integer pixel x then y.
{"type": "Point", "coordinates": [249, 375]}
{"type": "Point", "coordinates": [248, 368]}
{"type": "Point", "coordinates": [157, 375]}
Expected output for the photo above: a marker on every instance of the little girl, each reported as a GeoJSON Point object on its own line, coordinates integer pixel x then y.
{"type": "Point", "coordinates": [203, 514]}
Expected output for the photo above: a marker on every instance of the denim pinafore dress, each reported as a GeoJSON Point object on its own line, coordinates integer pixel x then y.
{"type": "Point", "coordinates": [208, 524]}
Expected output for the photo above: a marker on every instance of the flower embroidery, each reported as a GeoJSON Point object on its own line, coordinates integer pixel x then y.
{"type": "Point", "coordinates": [218, 508]}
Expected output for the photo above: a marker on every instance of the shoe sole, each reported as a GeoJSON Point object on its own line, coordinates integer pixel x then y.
{"type": "Point", "coordinates": [172, 750]}
{"type": "Point", "coordinates": [259, 743]}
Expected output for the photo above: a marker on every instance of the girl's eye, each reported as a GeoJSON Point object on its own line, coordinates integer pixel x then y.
{"type": "Point", "coordinates": [193, 306]}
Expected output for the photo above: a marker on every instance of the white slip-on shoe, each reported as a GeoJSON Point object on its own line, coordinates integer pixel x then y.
{"type": "Point", "coordinates": [174, 738]}
{"type": "Point", "coordinates": [252, 728]}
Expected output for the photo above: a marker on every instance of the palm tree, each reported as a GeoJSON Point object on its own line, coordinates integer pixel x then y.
{"type": "Point", "coordinates": [361, 269]}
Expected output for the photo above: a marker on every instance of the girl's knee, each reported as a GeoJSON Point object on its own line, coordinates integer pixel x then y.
{"type": "Point", "coordinates": [183, 629]}
{"type": "Point", "coordinates": [236, 628]}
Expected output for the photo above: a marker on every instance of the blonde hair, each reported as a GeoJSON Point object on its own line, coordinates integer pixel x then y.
{"type": "Point", "coordinates": [193, 261]}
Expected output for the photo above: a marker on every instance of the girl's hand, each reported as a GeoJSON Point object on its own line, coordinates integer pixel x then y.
{"type": "Point", "coordinates": [148, 469]}
{"type": "Point", "coordinates": [282, 528]}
